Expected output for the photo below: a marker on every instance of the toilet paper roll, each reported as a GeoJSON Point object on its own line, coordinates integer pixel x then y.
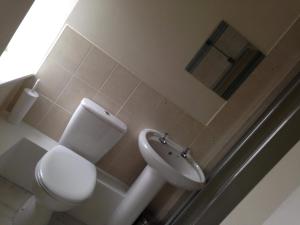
{"type": "Point", "coordinates": [23, 105]}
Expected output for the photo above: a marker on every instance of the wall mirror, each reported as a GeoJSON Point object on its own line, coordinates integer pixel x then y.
{"type": "Point", "coordinates": [225, 60]}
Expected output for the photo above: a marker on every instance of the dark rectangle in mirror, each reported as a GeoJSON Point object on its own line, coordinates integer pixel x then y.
{"type": "Point", "coordinates": [225, 61]}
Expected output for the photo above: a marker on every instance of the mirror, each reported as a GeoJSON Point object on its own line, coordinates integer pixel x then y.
{"type": "Point", "coordinates": [225, 60]}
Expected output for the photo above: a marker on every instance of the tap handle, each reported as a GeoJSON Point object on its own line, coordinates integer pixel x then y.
{"type": "Point", "coordinates": [187, 149]}
{"type": "Point", "coordinates": [185, 152]}
{"type": "Point", "coordinates": [165, 134]}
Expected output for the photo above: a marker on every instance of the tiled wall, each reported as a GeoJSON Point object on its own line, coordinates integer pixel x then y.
{"type": "Point", "coordinates": [71, 72]}
{"type": "Point", "coordinates": [75, 68]}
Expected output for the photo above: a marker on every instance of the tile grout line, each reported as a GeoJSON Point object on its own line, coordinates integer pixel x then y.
{"type": "Point", "coordinates": [162, 100]}
{"type": "Point", "coordinates": [73, 74]}
{"type": "Point", "coordinates": [109, 54]}
{"type": "Point", "coordinates": [109, 76]}
{"type": "Point", "coordinates": [98, 89]}
{"type": "Point", "coordinates": [86, 83]}
{"type": "Point", "coordinates": [196, 137]}
{"type": "Point", "coordinates": [54, 102]}
{"type": "Point", "coordinates": [129, 96]}
{"type": "Point", "coordinates": [62, 108]}
{"type": "Point", "coordinates": [46, 113]}
{"type": "Point", "coordinates": [216, 114]}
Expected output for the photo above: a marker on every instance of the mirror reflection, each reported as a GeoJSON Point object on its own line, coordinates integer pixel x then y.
{"type": "Point", "coordinates": [225, 61]}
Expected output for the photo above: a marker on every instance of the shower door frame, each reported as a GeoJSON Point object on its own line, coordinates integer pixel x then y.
{"type": "Point", "coordinates": [250, 159]}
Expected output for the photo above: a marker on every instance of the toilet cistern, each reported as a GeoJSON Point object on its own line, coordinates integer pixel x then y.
{"type": "Point", "coordinates": [66, 175]}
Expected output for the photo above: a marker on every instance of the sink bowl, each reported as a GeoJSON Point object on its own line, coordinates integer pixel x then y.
{"type": "Point", "coordinates": [166, 157]}
{"type": "Point", "coordinates": [166, 163]}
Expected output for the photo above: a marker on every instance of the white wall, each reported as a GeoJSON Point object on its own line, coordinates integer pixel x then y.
{"type": "Point", "coordinates": [156, 39]}
{"type": "Point", "coordinates": [287, 212]}
{"type": "Point", "coordinates": [150, 38]}
{"type": "Point", "coordinates": [32, 40]}
{"type": "Point", "coordinates": [275, 200]}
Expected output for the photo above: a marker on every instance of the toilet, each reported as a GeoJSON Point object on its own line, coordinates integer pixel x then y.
{"type": "Point", "coordinates": [66, 175]}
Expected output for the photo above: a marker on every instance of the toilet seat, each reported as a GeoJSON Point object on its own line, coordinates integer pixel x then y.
{"type": "Point", "coordinates": [66, 175]}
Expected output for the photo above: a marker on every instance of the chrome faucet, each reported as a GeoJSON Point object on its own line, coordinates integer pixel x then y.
{"type": "Point", "coordinates": [163, 139]}
{"type": "Point", "coordinates": [185, 152]}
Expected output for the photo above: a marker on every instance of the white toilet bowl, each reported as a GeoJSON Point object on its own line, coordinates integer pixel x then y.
{"type": "Point", "coordinates": [63, 180]}
{"type": "Point", "coordinates": [66, 175]}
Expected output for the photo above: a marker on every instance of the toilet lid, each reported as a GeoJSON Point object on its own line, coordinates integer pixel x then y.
{"type": "Point", "coordinates": [67, 175]}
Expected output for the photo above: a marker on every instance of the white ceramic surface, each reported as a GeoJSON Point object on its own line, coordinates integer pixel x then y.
{"type": "Point", "coordinates": [165, 164]}
{"type": "Point", "coordinates": [67, 175]}
{"type": "Point", "coordinates": [140, 194]}
{"type": "Point", "coordinates": [23, 145]}
{"type": "Point", "coordinates": [92, 131]}
{"type": "Point", "coordinates": [167, 160]}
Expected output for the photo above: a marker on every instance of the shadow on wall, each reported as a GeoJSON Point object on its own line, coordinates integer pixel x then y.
{"type": "Point", "coordinates": [9, 94]}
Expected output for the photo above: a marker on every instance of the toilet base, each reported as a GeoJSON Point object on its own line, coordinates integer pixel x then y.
{"type": "Point", "coordinates": [32, 213]}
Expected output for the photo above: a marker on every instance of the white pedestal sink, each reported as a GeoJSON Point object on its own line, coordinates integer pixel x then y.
{"type": "Point", "coordinates": [166, 163]}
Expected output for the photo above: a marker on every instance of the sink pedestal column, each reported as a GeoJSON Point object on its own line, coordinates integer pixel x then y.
{"type": "Point", "coordinates": [138, 197]}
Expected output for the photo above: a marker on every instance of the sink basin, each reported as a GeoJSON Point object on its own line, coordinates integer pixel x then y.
{"type": "Point", "coordinates": [166, 163]}
{"type": "Point", "coordinates": [166, 157]}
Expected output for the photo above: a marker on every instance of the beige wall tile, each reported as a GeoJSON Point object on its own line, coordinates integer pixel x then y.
{"type": "Point", "coordinates": [184, 129]}
{"type": "Point", "coordinates": [146, 109]}
{"type": "Point", "coordinates": [124, 161]}
{"type": "Point", "coordinates": [107, 102]}
{"type": "Point", "coordinates": [75, 91]}
{"type": "Point", "coordinates": [54, 122]}
{"type": "Point", "coordinates": [70, 49]}
{"type": "Point", "coordinates": [159, 43]}
{"type": "Point", "coordinates": [96, 67]}
{"type": "Point", "coordinates": [165, 115]}
{"type": "Point", "coordinates": [164, 201]}
{"type": "Point", "coordinates": [139, 111]}
{"type": "Point", "coordinates": [38, 111]}
{"type": "Point", "coordinates": [203, 143]}
{"type": "Point", "coordinates": [53, 79]}
{"type": "Point", "coordinates": [120, 84]}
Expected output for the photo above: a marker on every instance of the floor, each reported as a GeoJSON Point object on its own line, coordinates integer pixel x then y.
{"type": "Point", "coordinates": [13, 197]}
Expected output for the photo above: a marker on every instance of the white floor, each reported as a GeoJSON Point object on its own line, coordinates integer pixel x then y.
{"type": "Point", "coordinates": [13, 197]}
